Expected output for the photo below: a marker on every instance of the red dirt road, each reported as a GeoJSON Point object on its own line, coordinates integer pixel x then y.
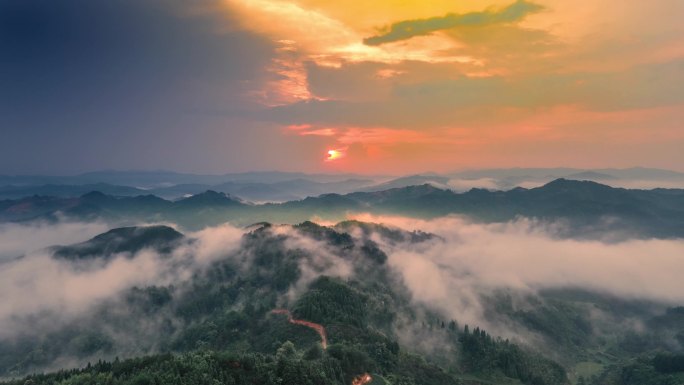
{"type": "Point", "coordinates": [317, 327]}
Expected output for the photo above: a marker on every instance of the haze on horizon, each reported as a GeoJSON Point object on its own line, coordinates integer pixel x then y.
{"type": "Point", "coordinates": [391, 87]}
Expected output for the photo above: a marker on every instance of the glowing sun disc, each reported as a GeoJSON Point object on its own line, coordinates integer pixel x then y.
{"type": "Point", "coordinates": [334, 154]}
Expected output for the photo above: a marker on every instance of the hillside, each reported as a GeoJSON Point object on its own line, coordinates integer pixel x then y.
{"type": "Point", "coordinates": [219, 319]}
{"type": "Point", "coordinates": [228, 307]}
{"type": "Point", "coordinates": [584, 209]}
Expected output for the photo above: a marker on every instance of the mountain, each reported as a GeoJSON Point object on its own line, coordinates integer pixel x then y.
{"type": "Point", "coordinates": [56, 190]}
{"type": "Point", "coordinates": [517, 172]}
{"type": "Point", "coordinates": [162, 179]}
{"type": "Point", "coordinates": [96, 205]}
{"type": "Point", "coordinates": [591, 176]}
{"type": "Point", "coordinates": [412, 180]}
{"type": "Point", "coordinates": [366, 230]}
{"type": "Point", "coordinates": [287, 186]}
{"type": "Point", "coordinates": [536, 173]}
{"type": "Point", "coordinates": [304, 187]}
{"type": "Point", "coordinates": [233, 320]}
{"type": "Point", "coordinates": [33, 207]}
{"type": "Point", "coordinates": [586, 209]}
{"type": "Point", "coordinates": [279, 191]}
{"type": "Point", "coordinates": [208, 198]}
{"type": "Point", "coordinates": [128, 240]}
{"type": "Point", "coordinates": [643, 173]}
{"type": "Point", "coordinates": [504, 179]}
{"type": "Point", "coordinates": [256, 192]}
{"type": "Point", "coordinates": [178, 191]}
{"type": "Point", "coordinates": [278, 176]}
{"type": "Point", "coordinates": [324, 305]}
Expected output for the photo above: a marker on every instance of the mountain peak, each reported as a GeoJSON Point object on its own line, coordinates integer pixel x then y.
{"type": "Point", "coordinates": [590, 175]}
{"type": "Point", "coordinates": [122, 240]}
{"type": "Point", "coordinates": [94, 195]}
{"type": "Point", "coordinates": [421, 189]}
{"type": "Point", "coordinates": [584, 188]}
{"type": "Point", "coordinates": [562, 183]}
{"type": "Point", "coordinates": [210, 197]}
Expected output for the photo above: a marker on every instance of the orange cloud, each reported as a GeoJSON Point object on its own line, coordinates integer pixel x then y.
{"type": "Point", "coordinates": [365, 135]}
{"type": "Point", "coordinates": [320, 132]}
{"type": "Point", "coordinates": [382, 135]}
{"type": "Point", "coordinates": [309, 130]}
{"type": "Point", "coordinates": [299, 127]}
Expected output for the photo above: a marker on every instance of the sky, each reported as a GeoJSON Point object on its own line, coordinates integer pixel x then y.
{"type": "Point", "coordinates": [385, 86]}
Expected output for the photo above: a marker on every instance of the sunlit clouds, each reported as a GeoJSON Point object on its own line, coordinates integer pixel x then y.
{"type": "Point", "coordinates": [406, 86]}
{"type": "Point", "coordinates": [288, 83]}
{"type": "Point", "coordinates": [466, 79]}
{"type": "Point", "coordinates": [307, 130]}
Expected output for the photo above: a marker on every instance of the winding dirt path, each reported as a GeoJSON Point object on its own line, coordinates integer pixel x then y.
{"type": "Point", "coordinates": [317, 327]}
{"type": "Point", "coordinates": [361, 379]}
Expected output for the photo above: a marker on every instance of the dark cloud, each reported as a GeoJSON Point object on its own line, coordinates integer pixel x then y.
{"type": "Point", "coordinates": [119, 83]}
{"type": "Point", "coordinates": [409, 28]}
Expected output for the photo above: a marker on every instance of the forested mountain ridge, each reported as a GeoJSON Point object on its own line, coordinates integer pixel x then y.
{"type": "Point", "coordinates": [586, 209]}
{"type": "Point", "coordinates": [214, 320]}
{"type": "Point", "coordinates": [122, 240]}
{"type": "Point", "coordinates": [222, 318]}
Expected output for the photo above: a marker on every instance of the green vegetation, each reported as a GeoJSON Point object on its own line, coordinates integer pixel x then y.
{"type": "Point", "coordinates": [583, 206]}
{"type": "Point", "coordinates": [217, 327]}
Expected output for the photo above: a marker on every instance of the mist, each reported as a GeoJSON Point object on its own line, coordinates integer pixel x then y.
{"type": "Point", "coordinates": [37, 283]}
{"type": "Point", "coordinates": [451, 274]}
{"type": "Point", "coordinates": [469, 260]}
{"type": "Point", "coordinates": [19, 239]}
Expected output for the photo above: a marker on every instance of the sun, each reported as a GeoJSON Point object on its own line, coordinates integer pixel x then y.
{"type": "Point", "coordinates": [334, 154]}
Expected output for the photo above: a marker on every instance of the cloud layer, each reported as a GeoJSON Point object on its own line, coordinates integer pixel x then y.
{"type": "Point", "coordinates": [450, 274]}
{"type": "Point", "coordinates": [38, 283]}
{"type": "Point", "coordinates": [472, 260]}
{"type": "Point", "coordinates": [19, 239]}
{"type": "Point", "coordinates": [407, 29]}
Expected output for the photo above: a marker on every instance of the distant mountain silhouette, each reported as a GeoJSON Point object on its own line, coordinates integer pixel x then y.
{"type": "Point", "coordinates": [284, 186]}
{"type": "Point", "coordinates": [407, 181]}
{"type": "Point", "coordinates": [584, 207]}
{"type": "Point", "coordinates": [208, 198]}
{"type": "Point", "coordinates": [61, 190]}
{"type": "Point", "coordinates": [591, 175]}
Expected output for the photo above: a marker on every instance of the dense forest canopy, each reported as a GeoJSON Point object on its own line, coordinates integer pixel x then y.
{"type": "Point", "coordinates": [242, 310]}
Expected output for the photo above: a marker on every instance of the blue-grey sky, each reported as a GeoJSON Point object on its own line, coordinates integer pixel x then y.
{"type": "Point", "coordinates": [124, 84]}
{"type": "Point", "coordinates": [390, 86]}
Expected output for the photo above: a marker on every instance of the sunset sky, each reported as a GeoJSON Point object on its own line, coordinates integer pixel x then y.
{"type": "Point", "coordinates": [383, 86]}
